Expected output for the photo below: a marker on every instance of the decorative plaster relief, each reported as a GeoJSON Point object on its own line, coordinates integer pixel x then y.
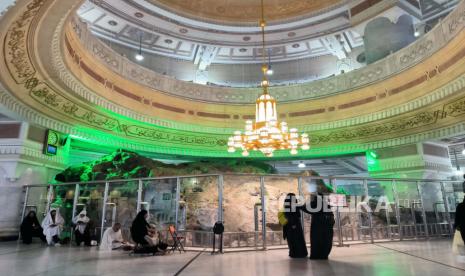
{"type": "Point", "coordinates": [390, 66]}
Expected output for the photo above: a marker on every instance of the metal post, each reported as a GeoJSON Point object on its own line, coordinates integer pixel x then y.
{"type": "Point", "coordinates": [26, 198]}
{"type": "Point", "coordinates": [75, 199]}
{"type": "Point", "coordinates": [49, 198]}
{"type": "Point", "coordinates": [388, 217]}
{"type": "Point", "coordinates": [139, 196]}
{"type": "Point", "coordinates": [446, 208]}
{"type": "Point", "coordinates": [104, 208]}
{"type": "Point", "coordinates": [178, 198]}
{"type": "Point", "coordinates": [23, 211]}
{"type": "Point", "coordinates": [262, 198]}
{"type": "Point", "coordinates": [301, 193]}
{"type": "Point", "coordinates": [338, 215]}
{"type": "Point", "coordinates": [370, 215]}
{"type": "Point", "coordinates": [220, 197]}
{"type": "Point", "coordinates": [396, 199]}
{"type": "Point", "coordinates": [423, 211]}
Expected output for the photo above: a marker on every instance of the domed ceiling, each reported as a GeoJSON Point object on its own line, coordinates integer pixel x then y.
{"type": "Point", "coordinates": [60, 76]}
{"type": "Point", "coordinates": [240, 11]}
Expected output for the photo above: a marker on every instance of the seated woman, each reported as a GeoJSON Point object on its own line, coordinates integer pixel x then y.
{"type": "Point", "coordinates": [52, 225]}
{"type": "Point", "coordinates": [81, 231]}
{"type": "Point", "coordinates": [30, 227]}
{"type": "Point", "coordinates": [140, 233]}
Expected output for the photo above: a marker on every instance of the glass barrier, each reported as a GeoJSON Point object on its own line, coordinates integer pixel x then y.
{"type": "Point", "coordinates": [382, 204]}
{"type": "Point", "coordinates": [454, 194]}
{"type": "Point", "coordinates": [121, 205]}
{"type": "Point", "coordinates": [410, 209]}
{"type": "Point", "coordinates": [198, 209]}
{"type": "Point", "coordinates": [366, 210]}
{"type": "Point", "coordinates": [355, 217]}
{"type": "Point", "coordinates": [37, 201]}
{"type": "Point", "coordinates": [63, 199]}
{"type": "Point", "coordinates": [159, 199]}
{"type": "Point", "coordinates": [91, 198]}
{"type": "Point", "coordinates": [242, 211]}
{"type": "Point", "coordinates": [276, 189]}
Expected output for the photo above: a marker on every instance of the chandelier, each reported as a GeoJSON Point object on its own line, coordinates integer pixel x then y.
{"type": "Point", "coordinates": [267, 134]}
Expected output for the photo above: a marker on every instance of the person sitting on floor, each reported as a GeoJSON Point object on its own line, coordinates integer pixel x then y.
{"type": "Point", "coordinates": [30, 227]}
{"type": "Point", "coordinates": [156, 238]}
{"type": "Point", "coordinates": [53, 225]}
{"type": "Point", "coordinates": [82, 231]}
{"type": "Point", "coordinates": [140, 234]}
{"type": "Point", "coordinates": [113, 239]}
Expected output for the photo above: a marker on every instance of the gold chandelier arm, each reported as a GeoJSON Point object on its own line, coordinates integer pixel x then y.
{"type": "Point", "coordinates": [264, 65]}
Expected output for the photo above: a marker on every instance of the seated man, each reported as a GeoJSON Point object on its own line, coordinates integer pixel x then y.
{"type": "Point", "coordinates": [53, 225]}
{"type": "Point", "coordinates": [113, 239]}
{"type": "Point", "coordinates": [82, 231]}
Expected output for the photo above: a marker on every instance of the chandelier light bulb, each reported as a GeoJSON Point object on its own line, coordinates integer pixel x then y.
{"type": "Point", "coordinates": [139, 57]}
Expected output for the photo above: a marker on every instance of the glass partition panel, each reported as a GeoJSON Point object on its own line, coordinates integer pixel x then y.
{"type": "Point", "coordinates": [410, 209]}
{"type": "Point", "coordinates": [121, 205]}
{"type": "Point", "coordinates": [276, 189]}
{"type": "Point", "coordinates": [91, 198]}
{"type": "Point", "coordinates": [354, 216]}
{"type": "Point", "coordinates": [433, 203]}
{"type": "Point", "coordinates": [198, 209]}
{"type": "Point", "coordinates": [454, 194]}
{"type": "Point", "coordinates": [63, 199]}
{"type": "Point", "coordinates": [382, 204]}
{"type": "Point", "coordinates": [242, 213]}
{"type": "Point", "coordinates": [159, 199]}
{"type": "Point", "coordinates": [37, 201]}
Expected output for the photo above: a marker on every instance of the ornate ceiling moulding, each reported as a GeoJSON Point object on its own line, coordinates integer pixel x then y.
{"type": "Point", "coordinates": [241, 12]}
{"type": "Point", "coordinates": [416, 53]}
{"type": "Point", "coordinates": [39, 100]}
{"type": "Point", "coordinates": [378, 101]}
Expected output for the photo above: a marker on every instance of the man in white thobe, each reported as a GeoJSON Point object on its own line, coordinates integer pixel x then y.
{"type": "Point", "coordinates": [113, 239]}
{"type": "Point", "coordinates": [53, 225]}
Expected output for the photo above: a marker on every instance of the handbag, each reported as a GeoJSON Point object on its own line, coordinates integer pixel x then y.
{"type": "Point", "coordinates": [282, 218]}
{"type": "Point", "coordinates": [458, 246]}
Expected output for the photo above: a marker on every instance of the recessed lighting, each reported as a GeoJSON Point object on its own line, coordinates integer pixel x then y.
{"type": "Point", "coordinates": [139, 57]}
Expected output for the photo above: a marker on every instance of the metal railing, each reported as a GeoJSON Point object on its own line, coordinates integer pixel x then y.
{"type": "Point", "coordinates": [194, 202]}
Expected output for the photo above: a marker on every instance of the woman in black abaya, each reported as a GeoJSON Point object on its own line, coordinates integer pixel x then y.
{"type": "Point", "coordinates": [30, 227]}
{"type": "Point", "coordinates": [292, 231]}
{"type": "Point", "coordinates": [139, 228]}
{"type": "Point", "coordinates": [321, 232]}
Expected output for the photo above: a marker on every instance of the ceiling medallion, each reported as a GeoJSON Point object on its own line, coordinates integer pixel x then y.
{"type": "Point", "coordinates": [267, 134]}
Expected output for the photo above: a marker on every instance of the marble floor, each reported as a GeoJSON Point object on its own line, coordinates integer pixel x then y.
{"type": "Point", "coordinates": [396, 258]}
